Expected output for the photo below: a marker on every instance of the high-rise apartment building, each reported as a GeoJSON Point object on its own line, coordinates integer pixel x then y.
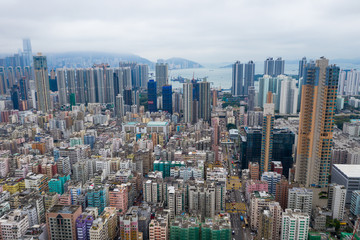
{"type": "Point", "coordinates": [119, 106]}
{"type": "Point", "coordinates": [249, 74]}
{"type": "Point", "coordinates": [272, 178]}
{"type": "Point", "coordinates": [316, 125]}
{"type": "Point", "coordinates": [267, 138]}
{"type": "Point", "coordinates": [302, 64]}
{"type": "Point", "coordinates": [42, 83]}
{"type": "Point", "coordinates": [61, 221]}
{"type": "Point", "coordinates": [161, 75]}
{"type": "Point", "coordinates": [237, 87]}
{"type": "Point", "coordinates": [188, 102]}
{"type": "Point", "coordinates": [288, 96]}
{"type": "Point", "coordinates": [300, 198]}
{"type": "Point", "coordinates": [152, 96]}
{"type": "Point", "coordinates": [336, 200]}
{"type": "Point", "coordinates": [355, 203]}
{"type": "Point", "coordinates": [251, 98]}
{"type": "Point", "coordinates": [204, 109]}
{"type": "Point", "coordinates": [294, 225]}
{"type": "Point", "coordinates": [349, 82]}
{"type": "Point", "coordinates": [141, 75]}
{"type": "Point", "coordinates": [269, 66]}
{"type": "Point", "coordinates": [61, 85]}
{"type": "Point", "coordinates": [279, 67]}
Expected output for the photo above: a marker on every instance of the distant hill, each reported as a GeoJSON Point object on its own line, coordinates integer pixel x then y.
{"type": "Point", "coordinates": [181, 63]}
{"type": "Point", "coordinates": [87, 59]}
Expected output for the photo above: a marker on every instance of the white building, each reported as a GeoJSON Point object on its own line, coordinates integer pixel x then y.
{"type": "Point", "coordinates": [300, 198]}
{"type": "Point", "coordinates": [272, 178]}
{"type": "Point", "coordinates": [337, 196]}
{"type": "Point", "coordinates": [13, 225]}
{"type": "Point", "coordinates": [288, 96]}
{"type": "Point", "coordinates": [294, 225]}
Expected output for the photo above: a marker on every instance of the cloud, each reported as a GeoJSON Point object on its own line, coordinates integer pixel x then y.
{"type": "Point", "coordinates": [204, 31]}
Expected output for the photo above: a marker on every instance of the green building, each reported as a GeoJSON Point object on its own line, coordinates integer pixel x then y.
{"type": "Point", "coordinates": [57, 183]}
{"type": "Point", "coordinates": [185, 228]}
{"type": "Point", "coordinates": [164, 166]}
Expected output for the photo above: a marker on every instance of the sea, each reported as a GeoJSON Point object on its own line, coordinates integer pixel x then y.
{"type": "Point", "coordinates": [220, 78]}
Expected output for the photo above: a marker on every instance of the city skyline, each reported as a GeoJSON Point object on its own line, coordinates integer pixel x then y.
{"type": "Point", "coordinates": [203, 32]}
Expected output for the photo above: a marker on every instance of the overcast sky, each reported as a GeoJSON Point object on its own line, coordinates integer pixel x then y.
{"type": "Point", "coordinates": [204, 31]}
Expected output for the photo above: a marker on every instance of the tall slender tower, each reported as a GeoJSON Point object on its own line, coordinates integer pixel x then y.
{"type": "Point", "coordinates": [316, 124]}
{"type": "Point", "coordinates": [61, 84]}
{"type": "Point", "coordinates": [269, 66]}
{"type": "Point", "coordinates": [237, 79]}
{"type": "Point", "coordinates": [248, 76]}
{"type": "Point", "coordinates": [267, 136]}
{"type": "Point", "coordinates": [27, 52]}
{"type": "Point", "coordinates": [204, 101]}
{"type": "Point", "coordinates": [42, 83]}
{"type": "Point", "coordinates": [279, 67]}
{"type": "Point", "coordinates": [188, 102]}
{"type": "Point", "coordinates": [302, 64]}
{"type": "Point", "coordinates": [161, 75]}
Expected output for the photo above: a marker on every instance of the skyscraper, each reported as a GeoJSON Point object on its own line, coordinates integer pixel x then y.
{"type": "Point", "coordinates": [288, 96]}
{"type": "Point", "coordinates": [267, 138]}
{"type": "Point", "coordinates": [279, 67]}
{"type": "Point", "coordinates": [141, 75]}
{"type": "Point", "coordinates": [3, 81]}
{"type": "Point", "coordinates": [237, 79]}
{"type": "Point", "coordinates": [161, 75]}
{"type": "Point", "coordinates": [316, 123]}
{"type": "Point", "coordinates": [152, 96]}
{"type": "Point", "coordinates": [269, 66]}
{"type": "Point", "coordinates": [42, 83]}
{"type": "Point", "coordinates": [249, 76]}
{"type": "Point", "coordinates": [61, 84]}
{"type": "Point", "coordinates": [302, 64]}
{"type": "Point", "coordinates": [80, 86]}
{"type": "Point", "coordinates": [204, 101]}
{"type": "Point", "coordinates": [109, 88]}
{"type": "Point", "coordinates": [119, 106]}
{"type": "Point", "coordinates": [188, 102]}
{"type": "Point", "coordinates": [251, 98]}
{"type": "Point", "coordinates": [167, 98]}
{"type": "Point", "coordinates": [27, 52]}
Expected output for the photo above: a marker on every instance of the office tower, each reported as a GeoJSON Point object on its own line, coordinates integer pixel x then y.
{"type": "Point", "coordinates": [272, 178]}
{"type": "Point", "coordinates": [349, 82]}
{"type": "Point", "coordinates": [61, 85]}
{"type": "Point", "coordinates": [249, 74]}
{"type": "Point", "coordinates": [27, 52]}
{"type": "Point", "coordinates": [99, 85]}
{"type": "Point", "coordinates": [167, 98]}
{"type": "Point", "coordinates": [355, 203]}
{"type": "Point", "coordinates": [188, 102]}
{"type": "Point", "coordinates": [61, 221]}
{"type": "Point", "coordinates": [128, 99]}
{"type": "Point", "coordinates": [300, 198]}
{"type": "Point", "coordinates": [302, 64]}
{"type": "Point", "coordinates": [251, 146]}
{"type": "Point", "coordinates": [161, 75]}
{"type": "Point", "coordinates": [269, 66]}
{"type": "Point", "coordinates": [283, 142]}
{"type": "Point", "coordinates": [336, 200]}
{"type": "Point", "coordinates": [15, 98]}
{"type": "Point", "coordinates": [42, 83]}
{"type": "Point", "coordinates": [119, 106]}
{"type": "Point", "coordinates": [251, 98]}
{"type": "Point", "coordinates": [152, 96]}
{"type": "Point", "coordinates": [288, 96]}
{"type": "Point", "coordinates": [204, 110]}
{"type": "Point", "coordinates": [237, 79]}
{"type": "Point", "coordinates": [294, 225]}
{"type": "Point", "coordinates": [109, 87]}
{"type": "Point", "coordinates": [347, 175]}
{"type": "Point", "coordinates": [316, 123]}
{"type": "Point", "coordinates": [141, 75]}
{"type": "Point", "coordinates": [267, 138]}
{"type": "Point", "coordinates": [279, 67]}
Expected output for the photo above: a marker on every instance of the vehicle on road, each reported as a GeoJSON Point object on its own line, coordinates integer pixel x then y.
{"type": "Point", "coordinates": [241, 218]}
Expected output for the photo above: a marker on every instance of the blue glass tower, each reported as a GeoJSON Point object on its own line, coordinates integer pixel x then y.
{"type": "Point", "coordinates": [167, 98]}
{"type": "Point", "coordinates": [152, 96]}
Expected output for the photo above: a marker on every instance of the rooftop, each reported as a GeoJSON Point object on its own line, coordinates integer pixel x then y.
{"type": "Point", "coordinates": [350, 170]}
{"type": "Point", "coordinates": [67, 209]}
{"type": "Point", "coordinates": [157, 124]}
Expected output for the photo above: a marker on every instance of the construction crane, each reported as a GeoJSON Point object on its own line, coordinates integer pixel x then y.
{"type": "Point", "coordinates": [355, 227]}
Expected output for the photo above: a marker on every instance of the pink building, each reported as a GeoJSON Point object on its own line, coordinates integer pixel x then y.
{"type": "Point", "coordinates": [4, 167]}
{"type": "Point", "coordinates": [255, 185]}
{"type": "Point", "coordinates": [118, 197]}
{"type": "Point", "coordinates": [65, 199]}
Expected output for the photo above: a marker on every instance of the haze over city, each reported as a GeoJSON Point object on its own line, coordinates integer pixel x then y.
{"type": "Point", "coordinates": [203, 31]}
